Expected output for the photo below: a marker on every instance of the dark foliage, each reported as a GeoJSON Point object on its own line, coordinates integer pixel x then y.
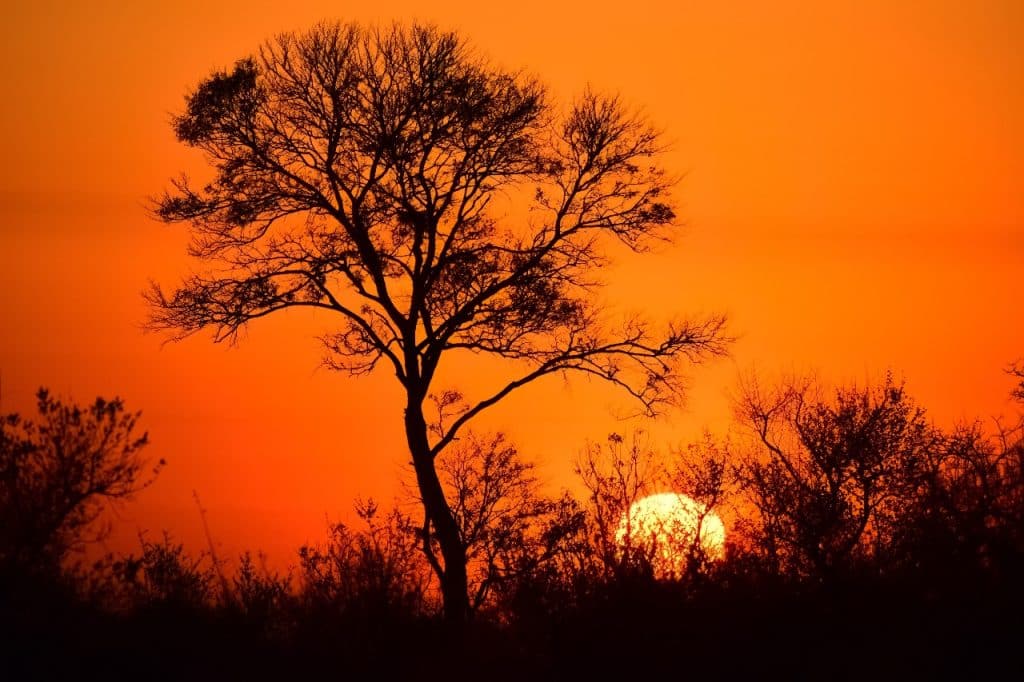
{"type": "Point", "coordinates": [877, 546]}
{"type": "Point", "coordinates": [57, 473]}
{"type": "Point", "coordinates": [860, 483]}
{"type": "Point", "coordinates": [830, 478]}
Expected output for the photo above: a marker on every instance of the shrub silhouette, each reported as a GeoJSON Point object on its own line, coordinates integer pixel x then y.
{"type": "Point", "coordinates": [930, 589]}
{"type": "Point", "coordinates": [58, 473]}
{"type": "Point", "coordinates": [165, 576]}
{"type": "Point", "coordinates": [375, 574]}
{"type": "Point", "coordinates": [830, 477]}
{"type": "Point", "coordinates": [964, 517]}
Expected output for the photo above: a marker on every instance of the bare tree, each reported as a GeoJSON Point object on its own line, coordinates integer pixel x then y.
{"type": "Point", "coordinates": [653, 514]}
{"type": "Point", "coordinates": [510, 529]}
{"type": "Point", "coordinates": [966, 509]}
{"type": "Point", "coordinates": [58, 473]}
{"type": "Point", "coordinates": [617, 474]}
{"type": "Point", "coordinates": [702, 471]}
{"type": "Point", "coordinates": [494, 497]}
{"type": "Point", "coordinates": [828, 476]}
{"type": "Point", "coordinates": [372, 174]}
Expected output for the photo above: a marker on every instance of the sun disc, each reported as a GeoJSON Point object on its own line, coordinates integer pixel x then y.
{"type": "Point", "coordinates": [665, 527]}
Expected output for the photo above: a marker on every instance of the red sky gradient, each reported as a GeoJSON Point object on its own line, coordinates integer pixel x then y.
{"type": "Point", "coordinates": [853, 199]}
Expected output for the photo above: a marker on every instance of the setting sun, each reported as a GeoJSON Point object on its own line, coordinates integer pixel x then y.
{"type": "Point", "coordinates": [664, 527]}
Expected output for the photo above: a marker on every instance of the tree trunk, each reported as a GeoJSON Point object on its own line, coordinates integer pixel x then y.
{"type": "Point", "coordinates": [454, 585]}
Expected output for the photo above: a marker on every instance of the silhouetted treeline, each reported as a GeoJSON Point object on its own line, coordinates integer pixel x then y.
{"type": "Point", "coordinates": [863, 542]}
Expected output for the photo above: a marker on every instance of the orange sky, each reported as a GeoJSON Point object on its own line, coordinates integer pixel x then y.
{"type": "Point", "coordinates": [854, 200]}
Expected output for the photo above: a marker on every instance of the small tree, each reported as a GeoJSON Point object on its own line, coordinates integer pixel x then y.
{"type": "Point", "coordinates": [967, 509]}
{"type": "Point", "coordinates": [359, 172]}
{"type": "Point", "coordinates": [617, 475]}
{"type": "Point", "coordinates": [511, 531]}
{"type": "Point", "coordinates": [58, 473]}
{"type": "Point", "coordinates": [829, 477]}
{"type": "Point", "coordinates": [702, 472]}
{"type": "Point", "coordinates": [652, 514]}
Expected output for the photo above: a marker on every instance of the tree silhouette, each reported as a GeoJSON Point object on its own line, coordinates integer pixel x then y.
{"type": "Point", "coordinates": [702, 471]}
{"type": "Point", "coordinates": [616, 475]}
{"type": "Point", "coordinates": [512, 533]}
{"type": "Point", "coordinates": [673, 537]}
{"type": "Point", "coordinates": [965, 512]}
{"type": "Point", "coordinates": [830, 475]}
{"type": "Point", "coordinates": [434, 204]}
{"type": "Point", "coordinates": [58, 473]}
